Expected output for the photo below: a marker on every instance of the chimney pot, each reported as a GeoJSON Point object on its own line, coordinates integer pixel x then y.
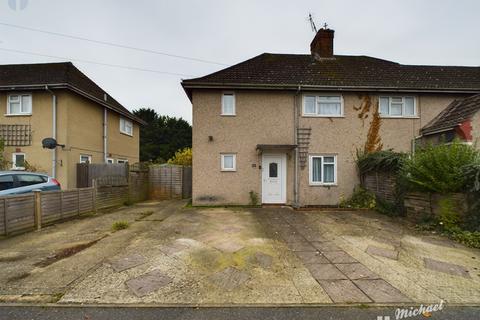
{"type": "Point", "coordinates": [322, 45]}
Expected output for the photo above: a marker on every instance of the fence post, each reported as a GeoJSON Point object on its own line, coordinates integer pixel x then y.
{"type": "Point", "coordinates": [38, 209]}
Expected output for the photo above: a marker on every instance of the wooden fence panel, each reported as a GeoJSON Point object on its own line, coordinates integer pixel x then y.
{"type": "Point", "coordinates": [3, 230]}
{"type": "Point", "coordinates": [165, 182]}
{"type": "Point", "coordinates": [51, 206]}
{"type": "Point", "coordinates": [103, 173]}
{"type": "Point", "coordinates": [86, 200]}
{"type": "Point", "coordinates": [110, 196]}
{"type": "Point", "coordinates": [70, 203]}
{"type": "Point", "coordinates": [187, 183]}
{"type": "Point", "coordinates": [19, 213]}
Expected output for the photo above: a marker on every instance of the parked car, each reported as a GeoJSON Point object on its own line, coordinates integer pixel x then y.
{"type": "Point", "coordinates": [17, 182]}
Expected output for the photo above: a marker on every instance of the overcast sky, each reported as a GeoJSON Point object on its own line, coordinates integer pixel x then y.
{"type": "Point", "coordinates": [228, 32]}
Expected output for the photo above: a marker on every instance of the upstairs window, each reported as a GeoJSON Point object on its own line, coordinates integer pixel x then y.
{"type": "Point", "coordinates": [323, 106]}
{"type": "Point", "coordinates": [228, 104]}
{"type": "Point", "coordinates": [126, 126]}
{"type": "Point", "coordinates": [397, 107]}
{"type": "Point", "coordinates": [19, 104]}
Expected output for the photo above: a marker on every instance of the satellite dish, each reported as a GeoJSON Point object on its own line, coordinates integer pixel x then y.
{"type": "Point", "coordinates": [50, 143]}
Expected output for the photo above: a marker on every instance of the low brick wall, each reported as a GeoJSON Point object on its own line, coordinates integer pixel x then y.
{"type": "Point", "coordinates": [382, 184]}
{"type": "Point", "coordinates": [420, 206]}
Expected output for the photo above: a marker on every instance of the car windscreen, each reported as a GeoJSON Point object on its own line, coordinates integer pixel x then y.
{"type": "Point", "coordinates": [29, 179]}
{"type": "Point", "coordinates": [6, 182]}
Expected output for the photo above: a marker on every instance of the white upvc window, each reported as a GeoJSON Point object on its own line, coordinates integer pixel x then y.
{"type": "Point", "coordinates": [323, 170]}
{"type": "Point", "coordinates": [397, 106]}
{"type": "Point", "coordinates": [85, 158]}
{"type": "Point", "coordinates": [126, 126]}
{"type": "Point", "coordinates": [19, 104]}
{"type": "Point", "coordinates": [18, 161]}
{"type": "Point", "coordinates": [323, 106]}
{"type": "Point", "coordinates": [110, 160]}
{"type": "Point", "coordinates": [122, 161]}
{"type": "Point", "coordinates": [228, 162]}
{"type": "Point", "coordinates": [228, 104]}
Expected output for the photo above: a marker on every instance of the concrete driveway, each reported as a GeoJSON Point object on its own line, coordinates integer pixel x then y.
{"type": "Point", "coordinates": [176, 255]}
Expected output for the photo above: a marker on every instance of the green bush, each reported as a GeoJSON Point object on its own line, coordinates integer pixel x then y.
{"type": "Point", "coordinates": [439, 168]}
{"type": "Point", "coordinates": [360, 199]}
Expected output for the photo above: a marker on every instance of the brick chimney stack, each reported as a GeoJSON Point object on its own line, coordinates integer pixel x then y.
{"type": "Point", "coordinates": [322, 45]}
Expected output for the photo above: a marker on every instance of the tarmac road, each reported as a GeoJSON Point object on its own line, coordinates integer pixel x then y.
{"type": "Point", "coordinates": [216, 313]}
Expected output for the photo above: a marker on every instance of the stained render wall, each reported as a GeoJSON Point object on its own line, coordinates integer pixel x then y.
{"type": "Point", "coordinates": [267, 117]}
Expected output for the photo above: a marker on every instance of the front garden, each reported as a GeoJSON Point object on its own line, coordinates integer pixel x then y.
{"type": "Point", "coordinates": [438, 187]}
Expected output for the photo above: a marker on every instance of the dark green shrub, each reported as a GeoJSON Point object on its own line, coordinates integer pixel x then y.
{"type": "Point", "coordinates": [472, 177]}
{"type": "Point", "coordinates": [385, 160]}
{"type": "Point", "coordinates": [439, 168]}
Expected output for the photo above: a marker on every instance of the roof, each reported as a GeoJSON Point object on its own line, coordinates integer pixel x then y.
{"type": "Point", "coordinates": [58, 76]}
{"type": "Point", "coordinates": [288, 71]}
{"type": "Point", "coordinates": [455, 114]}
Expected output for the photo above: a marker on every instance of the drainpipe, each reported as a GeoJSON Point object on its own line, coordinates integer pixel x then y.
{"type": "Point", "coordinates": [54, 131]}
{"type": "Point", "coordinates": [296, 198]}
{"type": "Point", "coordinates": [105, 135]}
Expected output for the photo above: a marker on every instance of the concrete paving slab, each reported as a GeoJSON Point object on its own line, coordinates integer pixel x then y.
{"type": "Point", "coordinates": [445, 267]}
{"type": "Point", "coordinates": [148, 283]}
{"type": "Point", "coordinates": [325, 271]}
{"type": "Point", "coordinates": [355, 271]}
{"type": "Point", "coordinates": [229, 278]}
{"type": "Point", "coordinates": [301, 246]}
{"type": "Point", "coordinates": [309, 257]}
{"type": "Point", "coordinates": [325, 246]}
{"type": "Point", "coordinates": [120, 264]}
{"type": "Point", "coordinates": [263, 260]}
{"type": "Point", "coordinates": [382, 252]}
{"type": "Point", "coordinates": [229, 245]}
{"type": "Point", "coordinates": [343, 291]}
{"type": "Point", "coordinates": [339, 257]}
{"type": "Point", "coordinates": [381, 291]}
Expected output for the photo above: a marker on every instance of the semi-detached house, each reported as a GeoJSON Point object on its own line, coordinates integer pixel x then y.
{"type": "Point", "coordinates": [56, 100]}
{"type": "Point", "coordinates": [287, 126]}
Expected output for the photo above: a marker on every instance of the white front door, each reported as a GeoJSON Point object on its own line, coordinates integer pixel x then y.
{"type": "Point", "coordinates": [274, 178]}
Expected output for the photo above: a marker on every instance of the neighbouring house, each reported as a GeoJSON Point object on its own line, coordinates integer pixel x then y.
{"type": "Point", "coordinates": [288, 126]}
{"type": "Point", "coordinates": [56, 100]}
{"type": "Point", "coordinates": [460, 120]}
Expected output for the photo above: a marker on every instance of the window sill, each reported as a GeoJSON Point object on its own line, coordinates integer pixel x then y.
{"type": "Point", "coordinates": [228, 170]}
{"type": "Point", "coordinates": [228, 115]}
{"type": "Point", "coordinates": [126, 134]}
{"type": "Point", "coordinates": [324, 185]}
{"type": "Point", "coordinates": [319, 116]}
{"type": "Point", "coordinates": [399, 117]}
{"type": "Point", "coordinates": [18, 115]}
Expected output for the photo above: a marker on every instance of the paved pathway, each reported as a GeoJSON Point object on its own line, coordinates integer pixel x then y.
{"type": "Point", "coordinates": [343, 278]}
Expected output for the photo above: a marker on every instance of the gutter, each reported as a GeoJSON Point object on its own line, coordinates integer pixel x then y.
{"type": "Point", "coordinates": [54, 131]}
{"type": "Point", "coordinates": [204, 85]}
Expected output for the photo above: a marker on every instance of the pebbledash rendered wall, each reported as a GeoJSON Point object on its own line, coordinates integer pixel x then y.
{"type": "Point", "coordinates": [267, 117]}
